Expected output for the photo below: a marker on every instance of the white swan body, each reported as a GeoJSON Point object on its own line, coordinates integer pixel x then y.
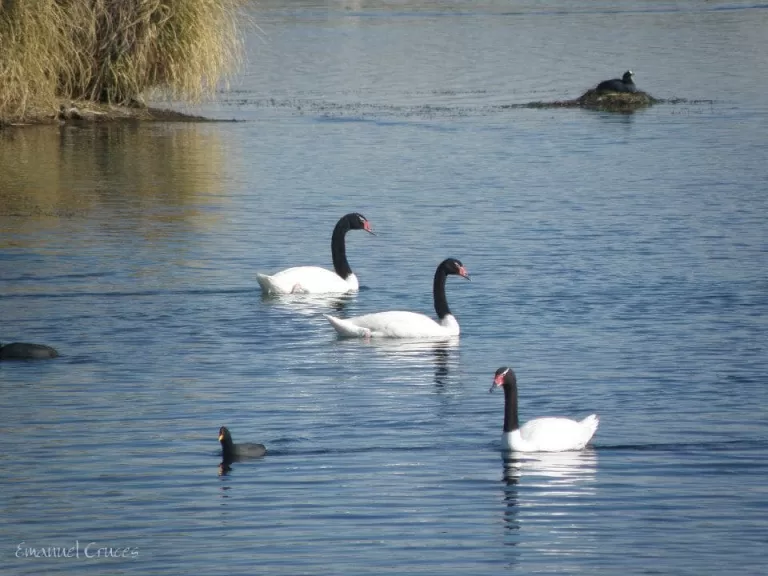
{"type": "Point", "coordinates": [307, 280]}
{"type": "Point", "coordinates": [400, 324]}
{"type": "Point", "coordinates": [551, 435]}
{"type": "Point", "coordinates": [395, 324]}
{"type": "Point", "coordinates": [317, 280]}
{"type": "Point", "coordinates": [542, 434]}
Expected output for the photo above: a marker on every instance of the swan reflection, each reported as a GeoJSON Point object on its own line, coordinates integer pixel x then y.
{"type": "Point", "coordinates": [553, 469]}
{"type": "Point", "coordinates": [407, 347]}
{"type": "Point", "coordinates": [442, 354]}
{"type": "Point", "coordinates": [309, 304]}
{"type": "Point", "coordinates": [543, 485]}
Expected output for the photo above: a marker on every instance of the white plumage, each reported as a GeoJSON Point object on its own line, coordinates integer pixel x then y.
{"type": "Point", "coordinates": [307, 280]}
{"type": "Point", "coordinates": [315, 279]}
{"type": "Point", "coordinates": [395, 324]}
{"type": "Point", "coordinates": [401, 324]}
{"type": "Point", "coordinates": [549, 434]}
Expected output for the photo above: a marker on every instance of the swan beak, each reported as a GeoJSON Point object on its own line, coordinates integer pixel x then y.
{"type": "Point", "coordinates": [464, 274]}
{"type": "Point", "coordinates": [367, 228]}
{"type": "Point", "coordinates": [498, 381]}
{"type": "Point", "coordinates": [221, 437]}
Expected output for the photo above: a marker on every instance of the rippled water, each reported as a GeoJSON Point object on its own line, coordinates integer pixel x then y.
{"type": "Point", "coordinates": [619, 263]}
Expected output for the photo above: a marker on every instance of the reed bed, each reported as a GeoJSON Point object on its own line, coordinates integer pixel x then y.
{"type": "Point", "coordinates": [113, 51]}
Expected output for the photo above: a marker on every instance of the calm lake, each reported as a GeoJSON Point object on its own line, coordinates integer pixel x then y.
{"type": "Point", "coordinates": [619, 263]}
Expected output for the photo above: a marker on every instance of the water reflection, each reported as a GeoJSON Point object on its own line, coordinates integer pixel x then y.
{"type": "Point", "coordinates": [538, 486]}
{"type": "Point", "coordinates": [415, 347]}
{"type": "Point", "coordinates": [309, 304]}
{"type": "Point", "coordinates": [443, 354]}
{"type": "Point", "coordinates": [511, 521]}
{"type": "Point", "coordinates": [551, 469]}
{"type": "Point", "coordinates": [122, 163]}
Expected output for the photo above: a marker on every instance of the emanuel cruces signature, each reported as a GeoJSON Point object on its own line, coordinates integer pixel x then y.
{"type": "Point", "coordinates": [90, 550]}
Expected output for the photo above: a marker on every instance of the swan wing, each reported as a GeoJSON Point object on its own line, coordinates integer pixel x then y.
{"type": "Point", "coordinates": [347, 329]}
{"type": "Point", "coordinates": [557, 434]}
{"type": "Point", "coordinates": [392, 324]}
{"type": "Point", "coordinates": [306, 280]}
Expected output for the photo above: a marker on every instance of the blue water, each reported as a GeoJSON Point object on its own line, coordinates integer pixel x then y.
{"type": "Point", "coordinates": [619, 263]}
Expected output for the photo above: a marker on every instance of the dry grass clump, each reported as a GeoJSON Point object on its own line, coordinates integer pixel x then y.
{"type": "Point", "coordinates": [113, 50]}
{"type": "Point", "coordinates": [29, 64]}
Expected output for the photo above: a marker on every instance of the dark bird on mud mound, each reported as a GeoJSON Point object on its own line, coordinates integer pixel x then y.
{"type": "Point", "coordinates": [623, 84]}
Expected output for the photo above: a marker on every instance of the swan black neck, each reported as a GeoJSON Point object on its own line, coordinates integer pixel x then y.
{"type": "Point", "coordinates": [228, 453]}
{"type": "Point", "coordinates": [438, 293]}
{"type": "Point", "coordinates": [339, 248]}
{"type": "Point", "coordinates": [511, 420]}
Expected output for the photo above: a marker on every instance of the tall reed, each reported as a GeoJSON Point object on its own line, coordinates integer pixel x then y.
{"type": "Point", "coordinates": [113, 50]}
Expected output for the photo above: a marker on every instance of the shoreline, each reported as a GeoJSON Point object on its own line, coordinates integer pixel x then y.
{"type": "Point", "coordinates": [84, 111]}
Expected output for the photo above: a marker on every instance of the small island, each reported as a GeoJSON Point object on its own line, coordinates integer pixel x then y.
{"type": "Point", "coordinates": [615, 101]}
{"type": "Point", "coordinates": [615, 95]}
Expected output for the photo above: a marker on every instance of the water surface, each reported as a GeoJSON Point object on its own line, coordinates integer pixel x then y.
{"type": "Point", "coordinates": [618, 264]}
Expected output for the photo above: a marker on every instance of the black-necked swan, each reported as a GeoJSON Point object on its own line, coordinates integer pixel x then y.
{"type": "Point", "coordinates": [623, 84]}
{"type": "Point", "coordinates": [231, 452]}
{"type": "Point", "coordinates": [398, 324]}
{"type": "Point", "coordinates": [317, 280]}
{"type": "Point", "coordinates": [542, 434]}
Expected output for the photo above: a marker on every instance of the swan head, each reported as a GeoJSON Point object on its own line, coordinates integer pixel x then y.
{"type": "Point", "coordinates": [454, 266]}
{"type": "Point", "coordinates": [504, 376]}
{"type": "Point", "coordinates": [357, 221]}
{"type": "Point", "coordinates": [627, 78]}
{"type": "Point", "coordinates": [224, 436]}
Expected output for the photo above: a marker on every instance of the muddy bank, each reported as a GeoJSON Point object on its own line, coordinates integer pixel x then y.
{"type": "Point", "coordinates": [624, 102]}
{"type": "Point", "coordinates": [85, 112]}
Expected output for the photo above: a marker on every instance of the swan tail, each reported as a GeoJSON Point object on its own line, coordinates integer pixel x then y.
{"type": "Point", "coordinates": [347, 329]}
{"type": "Point", "coordinates": [590, 424]}
{"type": "Point", "coordinates": [268, 284]}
